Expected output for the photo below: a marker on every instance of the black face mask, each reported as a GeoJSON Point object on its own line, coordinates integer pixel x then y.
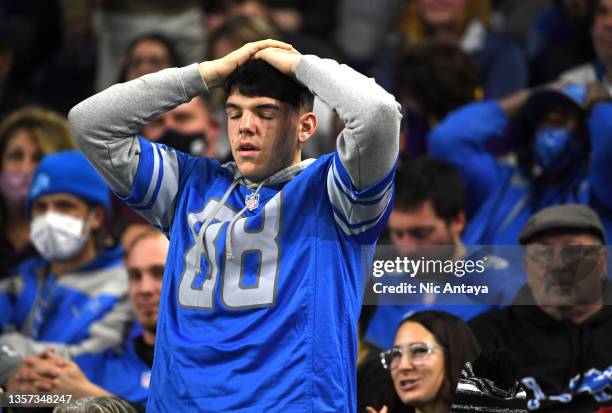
{"type": "Point", "coordinates": [193, 144]}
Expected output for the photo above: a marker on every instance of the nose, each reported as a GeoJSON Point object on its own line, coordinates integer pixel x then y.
{"type": "Point", "coordinates": [247, 125]}
{"type": "Point", "coordinates": [405, 362]}
{"type": "Point", "coordinates": [147, 283]}
{"type": "Point", "coordinates": [557, 260]}
{"type": "Point", "coordinates": [28, 164]}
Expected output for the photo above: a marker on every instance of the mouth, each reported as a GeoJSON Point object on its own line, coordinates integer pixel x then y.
{"type": "Point", "coordinates": [562, 280]}
{"type": "Point", "coordinates": [409, 384]}
{"type": "Point", "coordinates": [247, 149]}
{"type": "Point", "coordinates": [147, 307]}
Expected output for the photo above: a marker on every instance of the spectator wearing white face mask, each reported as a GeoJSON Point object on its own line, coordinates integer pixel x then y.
{"type": "Point", "coordinates": [74, 297]}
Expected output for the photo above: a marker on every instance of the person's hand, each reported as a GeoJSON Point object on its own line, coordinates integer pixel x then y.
{"type": "Point", "coordinates": [512, 105]}
{"type": "Point", "coordinates": [284, 60]}
{"type": "Point", "coordinates": [35, 374]}
{"type": "Point", "coordinates": [68, 378]}
{"type": "Point", "coordinates": [596, 93]}
{"type": "Point", "coordinates": [21, 381]}
{"type": "Point", "coordinates": [373, 410]}
{"type": "Point", "coordinates": [42, 370]}
{"type": "Point", "coordinates": [215, 72]}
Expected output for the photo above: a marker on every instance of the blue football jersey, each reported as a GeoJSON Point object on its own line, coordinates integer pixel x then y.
{"type": "Point", "coordinates": [268, 323]}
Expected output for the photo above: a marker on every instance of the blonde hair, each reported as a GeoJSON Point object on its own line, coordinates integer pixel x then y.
{"type": "Point", "coordinates": [49, 130]}
{"type": "Point", "coordinates": [413, 24]}
{"type": "Point", "coordinates": [146, 232]}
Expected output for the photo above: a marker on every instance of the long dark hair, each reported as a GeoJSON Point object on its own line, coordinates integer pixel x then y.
{"type": "Point", "coordinates": [460, 346]}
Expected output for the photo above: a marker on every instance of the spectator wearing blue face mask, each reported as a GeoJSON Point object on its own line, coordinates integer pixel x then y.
{"type": "Point", "coordinates": [73, 298]}
{"type": "Point", "coordinates": [564, 156]}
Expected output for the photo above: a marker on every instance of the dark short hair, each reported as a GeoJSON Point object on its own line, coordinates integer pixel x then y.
{"type": "Point", "coordinates": [424, 179]}
{"type": "Point", "coordinates": [460, 346]}
{"type": "Point", "coordinates": [439, 77]}
{"type": "Point", "coordinates": [259, 78]}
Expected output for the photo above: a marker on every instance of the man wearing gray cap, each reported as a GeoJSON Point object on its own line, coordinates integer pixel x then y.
{"type": "Point", "coordinates": [559, 326]}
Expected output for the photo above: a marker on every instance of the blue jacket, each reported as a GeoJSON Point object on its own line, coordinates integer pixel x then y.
{"type": "Point", "coordinates": [82, 311]}
{"type": "Point", "coordinates": [501, 198]}
{"type": "Point", "coordinates": [124, 374]}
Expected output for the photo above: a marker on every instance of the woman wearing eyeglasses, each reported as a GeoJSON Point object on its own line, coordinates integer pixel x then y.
{"type": "Point", "coordinates": [429, 351]}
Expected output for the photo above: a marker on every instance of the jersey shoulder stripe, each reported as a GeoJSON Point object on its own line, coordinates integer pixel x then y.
{"type": "Point", "coordinates": [358, 213]}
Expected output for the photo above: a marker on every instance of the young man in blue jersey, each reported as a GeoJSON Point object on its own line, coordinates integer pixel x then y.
{"type": "Point", "coordinates": [264, 280]}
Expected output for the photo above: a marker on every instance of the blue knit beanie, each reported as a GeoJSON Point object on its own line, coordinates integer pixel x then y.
{"type": "Point", "coordinates": [70, 172]}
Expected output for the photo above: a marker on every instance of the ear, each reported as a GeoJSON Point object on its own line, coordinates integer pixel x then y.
{"type": "Point", "coordinates": [97, 217]}
{"type": "Point", "coordinates": [307, 126]}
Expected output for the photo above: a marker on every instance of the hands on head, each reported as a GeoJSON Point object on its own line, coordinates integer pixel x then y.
{"type": "Point", "coordinates": [279, 54]}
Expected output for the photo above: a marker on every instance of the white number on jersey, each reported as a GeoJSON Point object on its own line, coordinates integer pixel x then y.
{"type": "Point", "coordinates": [263, 242]}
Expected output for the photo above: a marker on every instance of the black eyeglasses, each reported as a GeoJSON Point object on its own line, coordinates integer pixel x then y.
{"type": "Point", "coordinates": [418, 353]}
{"type": "Point", "coordinates": [543, 254]}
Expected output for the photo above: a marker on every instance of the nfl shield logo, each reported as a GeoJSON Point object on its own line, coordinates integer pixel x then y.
{"type": "Point", "coordinates": [252, 201]}
{"type": "Point", "coordinates": [145, 379]}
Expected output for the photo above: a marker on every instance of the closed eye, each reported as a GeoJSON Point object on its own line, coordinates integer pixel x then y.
{"type": "Point", "coordinates": [233, 114]}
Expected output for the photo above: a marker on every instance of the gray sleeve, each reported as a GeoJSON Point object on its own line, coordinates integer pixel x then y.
{"type": "Point", "coordinates": [368, 146]}
{"type": "Point", "coordinates": [10, 360]}
{"type": "Point", "coordinates": [104, 125]}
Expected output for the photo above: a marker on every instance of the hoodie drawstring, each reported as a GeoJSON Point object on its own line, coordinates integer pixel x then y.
{"type": "Point", "coordinates": [284, 175]}
{"type": "Point", "coordinates": [200, 244]}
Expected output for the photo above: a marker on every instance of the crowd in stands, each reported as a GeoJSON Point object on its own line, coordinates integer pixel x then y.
{"type": "Point", "coordinates": [506, 143]}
